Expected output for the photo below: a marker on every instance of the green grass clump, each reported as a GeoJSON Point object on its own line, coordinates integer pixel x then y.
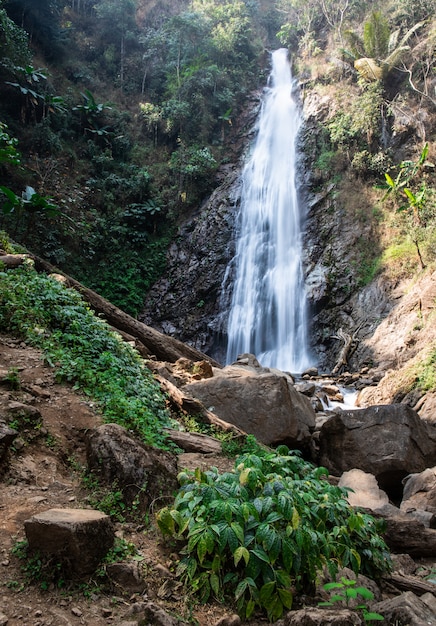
{"type": "Point", "coordinates": [265, 530]}
{"type": "Point", "coordinates": [84, 351]}
{"type": "Point", "coordinates": [425, 373]}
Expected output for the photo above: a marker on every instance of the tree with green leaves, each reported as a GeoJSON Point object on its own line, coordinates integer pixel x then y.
{"type": "Point", "coordinates": [14, 47]}
{"type": "Point", "coordinates": [414, 199]}
{"type": "Point", "coordinates": [117, 19]}
{"type": "Point", "coordinates": [377, 53]}
{"type": "Point", "coordinates": [40, 19]}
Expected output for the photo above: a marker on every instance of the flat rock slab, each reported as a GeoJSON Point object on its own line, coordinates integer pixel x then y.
{"type": "Point", "coordinates": [80, 537]}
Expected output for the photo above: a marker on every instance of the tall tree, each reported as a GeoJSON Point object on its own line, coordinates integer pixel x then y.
{"type": "Point", "coordinates": [39, 18]}
{"type": "Point", "coordinates": [117, 19]}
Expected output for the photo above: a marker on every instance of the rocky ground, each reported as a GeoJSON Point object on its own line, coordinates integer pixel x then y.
{"type": "Point", "coordinates": [43, 472]}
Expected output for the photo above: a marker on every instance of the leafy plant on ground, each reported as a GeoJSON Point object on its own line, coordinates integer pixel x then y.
{"type": "Point", "coordinates": [347, 591]}
{"type": "Point", "coordinates": [38, 569]}
{"type": "Point", "coordinates": [413, 196]}
{"type": "Point", "coordinates": [84, 351]}
{"type": "Point", "coordinates": [263, 531]}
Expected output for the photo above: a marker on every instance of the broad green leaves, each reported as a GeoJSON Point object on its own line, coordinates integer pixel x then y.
{"type": "Point", "coordinates": [265, 530]}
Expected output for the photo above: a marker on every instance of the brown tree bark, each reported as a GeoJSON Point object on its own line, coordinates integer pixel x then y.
{"type": "Point", "coordinates": [13, 260]}
{"type": "Point", "coordinates": [162, 347]}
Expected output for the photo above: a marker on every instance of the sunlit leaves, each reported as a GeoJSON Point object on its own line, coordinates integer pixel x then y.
{"type": "Point", "coordinates": [266, 529]}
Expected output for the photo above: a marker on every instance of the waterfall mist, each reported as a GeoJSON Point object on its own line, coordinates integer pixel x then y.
{"type": "Point", "coordinates": [268, 309]}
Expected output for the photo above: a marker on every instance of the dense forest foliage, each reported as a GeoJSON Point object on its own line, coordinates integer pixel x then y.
{"type": "Point", "coordinates": [116, 116]}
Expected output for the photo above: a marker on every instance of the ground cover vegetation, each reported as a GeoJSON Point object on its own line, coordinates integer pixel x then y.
{"type": "Point", "coordinates": [264, 532]}
{"type": "Point", "coordinates": [84, 351]}
{"type": "Point", "coordinates": [115, 116]}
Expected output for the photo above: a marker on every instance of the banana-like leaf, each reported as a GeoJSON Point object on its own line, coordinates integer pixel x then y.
{"type": "Point", "coordinates": [369, 69]}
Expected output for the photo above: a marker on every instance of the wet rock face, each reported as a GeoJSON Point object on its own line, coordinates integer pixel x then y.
{"type": "Point", "coordinates": [189, 302]}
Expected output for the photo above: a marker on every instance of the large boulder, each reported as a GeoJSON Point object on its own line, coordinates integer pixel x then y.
{"type": "Point", "coordinates": [79, 538]}
{"type": "Point", "coordinates": [389, 441]}
{"type": "Point", "coordinates": [260, 401]}
{"type": "Point", "coordinates": [420, 491]}
{"type": "Point", "coordinates": [140, 471]}
{"type": "Point", "coordinates": [363, 490]}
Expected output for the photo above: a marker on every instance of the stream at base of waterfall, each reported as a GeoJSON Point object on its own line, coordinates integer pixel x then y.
{"type": "Point", "coordinates": [268, 314]}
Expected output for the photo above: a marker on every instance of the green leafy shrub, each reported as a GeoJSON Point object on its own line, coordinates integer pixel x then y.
{"type": "Point", "coordinates": [84, 351]}
{"type": "Point", "coordinates": [262, 532]}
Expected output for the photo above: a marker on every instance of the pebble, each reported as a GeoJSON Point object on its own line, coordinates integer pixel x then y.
{"type": "Point", "coordinates": [76, 611]}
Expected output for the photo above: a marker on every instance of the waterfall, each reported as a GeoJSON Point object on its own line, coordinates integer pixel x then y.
{"type": "Point", "coordinates": [268, 309]}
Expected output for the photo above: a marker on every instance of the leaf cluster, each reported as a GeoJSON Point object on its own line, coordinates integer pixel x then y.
{"type": "Point", "coordinates": [347, 591]}
{"type": "Point", "coordinates": [84, 351]}
{"type": "Point", "coordinates": [263, 531]}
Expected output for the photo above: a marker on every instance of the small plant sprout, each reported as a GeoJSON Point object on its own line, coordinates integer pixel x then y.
{"type": "Point", "coordinates": [345, 592]}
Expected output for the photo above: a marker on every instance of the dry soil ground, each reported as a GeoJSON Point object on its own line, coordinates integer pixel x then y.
{"type": "Point", "coordinates": [43, 473]}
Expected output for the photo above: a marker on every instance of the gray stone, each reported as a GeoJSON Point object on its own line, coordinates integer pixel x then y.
{"type": "Point", "coordinates": [307, 389]}
{"type": "Point", "coordinates": [7, 436]}
{"type": "Point", "coordinates": [389, 441]}
{"type": "Point", "coordinates": [126, 576]}
{"type": "Point", "coordinates": [364, 490]}
{"type": "Point", "coordinates": [151, 613]}
{"type": "Point", "coordinates": [138, 470]}
{"type": "Point", "coordinates": [79, 537]}
{"type": "Point", "coordinates": [261, 402]}
{"type": "Point", "coordinates": [26, 412]}
{"type": "Point", "coordinates": [317, 616]}
{"type": "Point", "coordinates": [406, 610]}
{"type": "Point", "coordinates": [229, 620]}
{"type": "Point", "coordinates": [420, 491]}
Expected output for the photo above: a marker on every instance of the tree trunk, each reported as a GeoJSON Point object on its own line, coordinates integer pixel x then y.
{"type": "Point", "coordinates": [13, 260]}
{"type": "Point", "coordinates": [162, 347]}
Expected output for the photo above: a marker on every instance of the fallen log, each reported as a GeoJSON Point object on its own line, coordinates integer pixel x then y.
{"type": "Point", "coordinates": [404, 582]}
{"type": "Point", "coordinates": [192, 406]}
{"type": "Point", "coordinates": [162, 347]}
{"type": "Point", "coordinates": [194, 442]}
{"type": "Point", "coordinates": [12, 261]}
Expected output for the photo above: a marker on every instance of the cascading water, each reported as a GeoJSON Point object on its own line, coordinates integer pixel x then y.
{"type": "Point", "coordinates": [268, 310]}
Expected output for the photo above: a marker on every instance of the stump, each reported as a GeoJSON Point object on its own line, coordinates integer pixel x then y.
{"type": "Point", "coordinates": [79, 537]}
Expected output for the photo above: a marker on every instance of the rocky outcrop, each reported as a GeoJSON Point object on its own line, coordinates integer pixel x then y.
{"type": "Point", "coordinates": [388, 441]}
{"type": "Point", "coordinates": [140, 471]}
{"type": "Point", "coordinates": [260, 401]}
{"type": "Point", "coordinates": [78, 538]}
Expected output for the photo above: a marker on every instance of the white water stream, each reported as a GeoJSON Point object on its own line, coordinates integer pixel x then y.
{"type": "Point", "coordinates": [268, 310]}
